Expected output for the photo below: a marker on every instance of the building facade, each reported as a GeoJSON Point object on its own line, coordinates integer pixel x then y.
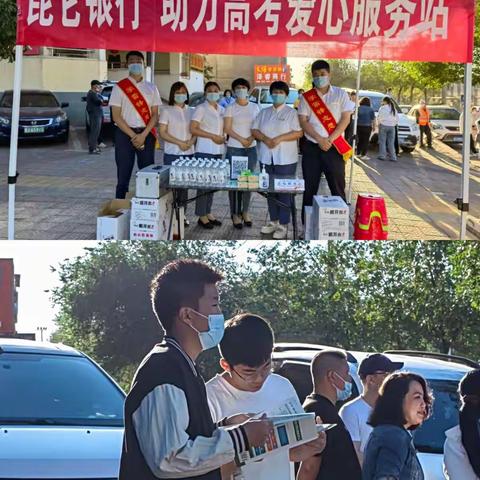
{"type": "Point", "coordinates": [9, 282]}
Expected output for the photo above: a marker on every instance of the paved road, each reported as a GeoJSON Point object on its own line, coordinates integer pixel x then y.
{"type": "Point", "coordinates": [61, 187]}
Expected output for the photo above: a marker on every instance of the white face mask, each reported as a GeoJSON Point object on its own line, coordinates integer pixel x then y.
{"type": "Point", "coordinates": [136, 68]}
{"type": "Point", "coordinates": [216, 327]}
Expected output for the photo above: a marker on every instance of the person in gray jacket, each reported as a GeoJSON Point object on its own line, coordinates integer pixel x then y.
{"type": "Point", "coordinates": [95, 115]}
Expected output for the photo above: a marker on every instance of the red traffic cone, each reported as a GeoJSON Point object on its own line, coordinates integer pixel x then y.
{"type": "Point", "coordinates": [371, 221]}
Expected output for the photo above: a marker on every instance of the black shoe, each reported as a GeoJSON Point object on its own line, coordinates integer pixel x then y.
{"type": "Point", "coordinates": [207, 226]}
{"type": "Point", "coordinates": [216, 222]}
{"type": "Point", "coordinates": [238, 225]}
{"type": "Point", "coordinates": [94, 152]}
{"type": "Point", "coordinates": [186, 223]}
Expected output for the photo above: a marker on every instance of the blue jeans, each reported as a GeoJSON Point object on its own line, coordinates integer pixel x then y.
{"type": "Point", "coordinates": [203, 204]}
{"type": "Point", "coordinates": [240, 201]}
{"type": "Point", "coordinates": [277, 212]}
{"type": "Point", "coordinates": [182, 193]}
{"type": "Point", "coordinates": [386, 142]}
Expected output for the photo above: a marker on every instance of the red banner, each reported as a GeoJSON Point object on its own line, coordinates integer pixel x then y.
{"type": "Point", "coordinates": [420, 30]}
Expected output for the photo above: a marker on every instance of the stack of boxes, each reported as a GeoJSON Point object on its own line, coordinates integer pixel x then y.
{"type": "Point", "coordinates": [153, 216]}
{"type": "Point", "coordinates": [327, 219]}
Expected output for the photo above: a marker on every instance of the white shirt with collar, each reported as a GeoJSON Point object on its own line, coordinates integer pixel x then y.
{"type": "Point", "coordinates": [242, 120]}
{"type": "Point", "coordinates": [337, 101]}
{"type": "Point", "coordinates": [211, 121]}
{"type": "Point", "coordinates": [178, 121]}
{"type": "Point", "coordinates": [273, 122]}
{"type": "Point", "coordinates": [118, 98]}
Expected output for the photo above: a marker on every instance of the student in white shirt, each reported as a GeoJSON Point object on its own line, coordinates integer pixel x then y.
{"type": "Point", "coordinates": [387, 119]}
{"type": "Point", "coordinates": [355, 414]}
{"type": "Point", "coordinates": [133, 137]}
{"type": "Point", "coordinates": [247, 385]}
{"type": "Point", "coordinates": [277, 129]}
{"type": "Point", "coordinates": [239, 117]}
{"type": "Point", "coordinates": [207, 126]}
{"type": "Point", "coordinates": [175, 130]}
{"type": "Point", "coordinates": [319, 155]}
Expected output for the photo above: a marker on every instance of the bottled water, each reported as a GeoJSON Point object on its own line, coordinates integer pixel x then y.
{"type": "Point", "coordinates": [173, 173]}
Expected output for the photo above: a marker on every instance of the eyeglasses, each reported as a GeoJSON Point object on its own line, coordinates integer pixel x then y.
{"type": "Point", "coordinates": [261, 373]}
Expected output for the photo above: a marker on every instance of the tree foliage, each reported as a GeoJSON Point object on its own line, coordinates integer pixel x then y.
{"type": "Point", "coordinates": [8, 15]}
{"type": "Point", "coordinates": [355, 295]}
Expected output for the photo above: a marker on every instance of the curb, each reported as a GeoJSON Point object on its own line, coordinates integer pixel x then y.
{"type": "Point", "coordinates": [473, 226]}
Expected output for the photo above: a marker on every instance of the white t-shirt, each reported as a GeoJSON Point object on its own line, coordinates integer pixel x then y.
{"type": "Point", "coordinates": [337, 101]}
{"type": "Point", "coordinates": [242, 121]}
{"type": "Point", "coordinates": [129, 114]}
{"type": "Point", "coordinates": [355, 415]}
{"type": "Point", "coordinates": [272, 122]}
{"type": "Point", "coordinates": [210, 120]}
{"type": "Point", "coordinates": [386, 117]}
{"type": "Point", "coordinates": [178, 120]}
{"type": "Point", "coordinates": [276, 397]}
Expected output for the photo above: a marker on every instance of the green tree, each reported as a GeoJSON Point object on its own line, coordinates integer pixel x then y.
{"type": "Point", "coordinates": [8, 14]}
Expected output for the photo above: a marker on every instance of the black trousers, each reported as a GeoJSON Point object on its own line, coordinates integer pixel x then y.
{"type": "Point", "coordinates": [315, 162]}
{"type": "Point", "coordinates": [425, 130]}
{"type": "Point", "coordinates": [363, 134]}
{"type": "Point", "coordinates": [95, 129]}
{"type": "Point", "coordinates": [125, 154]}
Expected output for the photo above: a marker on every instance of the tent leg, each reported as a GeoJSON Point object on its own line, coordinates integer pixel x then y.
{"type": "Point", "coordinates": [355, 122]}
{"type": "Point", "coordinates": [463, 202]}
{"type": "Point", "coordinates": [12, 163]}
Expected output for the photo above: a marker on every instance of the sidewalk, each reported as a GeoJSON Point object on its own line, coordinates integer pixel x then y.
{"type": "Point", "coordinates": [60, 189]}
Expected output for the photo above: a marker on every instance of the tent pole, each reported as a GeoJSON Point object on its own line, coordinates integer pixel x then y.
{"type": "Point", "coordinates": [355, 122]}
{"type": "Point", "coordinates": [12, 163]}
{"type": "Point", "coordinates": [463, 202]}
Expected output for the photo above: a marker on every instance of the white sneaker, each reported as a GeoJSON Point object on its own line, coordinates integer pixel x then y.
{"type": "Point", "coordinates": [269, 228]}
{"type": "Point", "coordinates": [102, 145]}
{"type": "Point", "coordinates": [280, 233]}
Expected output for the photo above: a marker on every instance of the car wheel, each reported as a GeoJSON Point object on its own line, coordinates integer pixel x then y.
{"type": "Point", "coordinates": [63, 138]}
{"type": "Point", "coordinates": [408, 149]}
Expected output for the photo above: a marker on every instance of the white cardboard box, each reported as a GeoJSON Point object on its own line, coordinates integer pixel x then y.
{"type": "Point", "coordinates": [308, 232]}
{"type": "Point", "coordinates": [113, 220]}
{"type": "Point", "coordinates": [150, 181]}
{"type": "Point", "coordinates": [289, 431]}
{"type": "Point", "coordinates": [330, 218]}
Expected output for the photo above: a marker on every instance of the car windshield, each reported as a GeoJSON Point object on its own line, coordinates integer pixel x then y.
{"type": "Point", "coordinates": [107, 92]}
{"type": "Point", "coordinates": [31, 99]}
{"type": "Point", "coordinates": [430, 437]}
{"type": "Point", "coordinates": [40, 389]}
{"type": "Point", "coordinates": [444, 114]}
{"type": "Point", "coordinates": [265, 97]}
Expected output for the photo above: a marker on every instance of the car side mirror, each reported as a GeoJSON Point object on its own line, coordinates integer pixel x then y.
{"type": "Point", "coordinates": [64, 105]}
{"type": "Point", "coordinates": [84, 99]}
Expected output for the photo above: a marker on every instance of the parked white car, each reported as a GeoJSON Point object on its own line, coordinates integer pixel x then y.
{"type": "Point", "coordinates": [261, 96]}
{"type": "Point", "coordinates": [443, 373]}
{"type": "Point", "coordinates": [61, 415]}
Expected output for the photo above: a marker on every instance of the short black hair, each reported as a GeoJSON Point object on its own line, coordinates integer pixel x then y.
{"type": "Point", "coordinates": [240, 82]}
{"type": "Point", "coordinates": [180, 283]}
{"type": "Point", "coordinates": [227, 90]}
{"type": "Point", "coordinates": [211, 84]}
{"type": "Point", "coordinates": [173, 89]}
{"type": "Point", "coordinates": [324, 361]}
{"type": "Point", "coordinates": [389, 407]}
{"type": "Point", "coordinates": [248, 340]}
{"type": "Point", "coordinates": [137, 53]}
{"type": "Point", "coordinates": [320, 65]}
{"type": "Point", "coordinates": [279, 85]}
{"type": "Point", "coordinates": [94, 83]}
{"type": "Point", "coordinates": [301, 90]}
{"type": "Point", "coordinates": [366, 102]}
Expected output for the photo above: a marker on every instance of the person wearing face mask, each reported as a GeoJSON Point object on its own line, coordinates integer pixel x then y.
{"type": "Point", "coordinates": [95, 116]}
{"type": "Point", "coordinates": [227, 99]}
{"type": "Point", "coordinates": [247, 384]}
{"type": "Point", "coordinates": [422, 115]}
{"type": "Point", "coordinates": [277, 129]}
{"type": "Point", "coordinates": [175, 130]}
{"type": "Point", "coordinates": [239, 119]}
{"type": "Point", "coordinates": [404, 403]}
{"type": "Point", "coordinates": [355, 414]}
{"type": "Point", "coordinates": [207, 126]}
{"type": "Point", "coordinates": [321, 149]}
{"type": "Point", "coordinates": [169, 431]}
{"type": "Point", "coordinates": [134, 104]}
{"type": "Point", "coordinates": [332, 383]}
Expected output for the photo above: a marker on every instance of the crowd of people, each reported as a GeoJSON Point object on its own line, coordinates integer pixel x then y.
{"type": "Point", "coordinates": [178, 427]}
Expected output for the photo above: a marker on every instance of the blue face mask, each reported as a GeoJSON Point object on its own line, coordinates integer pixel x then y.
{"type": "Point", "coordinates": [213, 96]}
{"type": "Point", "coordinates": [180, 98]}
{"type": "Point", "coordinates": [135, 69]}
{"type": "Point", "coordinates": [213, 336]}
{"type": "Point", "coordinates": [321, 82]}
{"type": "Point", "coordinates": [346, 393]}
{"type": "Point", "coordinates": [241, 93]}
{"type": "Point", "coordinates": [278, 98]}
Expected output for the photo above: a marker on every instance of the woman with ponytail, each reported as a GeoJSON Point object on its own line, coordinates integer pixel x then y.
{"type": "Point", "coordinates": [462, 447]}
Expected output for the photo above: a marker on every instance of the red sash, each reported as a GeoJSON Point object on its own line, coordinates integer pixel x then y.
{"type": "Point", "coordinates": [137, 100]}
{"type": "Point", "coordinates": [320, 109]}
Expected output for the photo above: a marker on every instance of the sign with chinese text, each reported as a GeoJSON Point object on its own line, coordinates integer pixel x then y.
{"type": "Point", "coordinates": [421, 30]}
{"type": "Point", "coordinates": [197, 62]}
{"type": "Point", "coordinates": [266, 74]}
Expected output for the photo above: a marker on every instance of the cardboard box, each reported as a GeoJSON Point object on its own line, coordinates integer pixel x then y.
{"type": "Point", "coordinates": [151, 180]}
{"type": "Point", "coordinates": [308, 232]}
{"type": "Point", "coordinates": [330, 218]}
{"type": "Point", "coordinates": [289, 431]}
{"type": "Point", "coordinates": [113, 220]}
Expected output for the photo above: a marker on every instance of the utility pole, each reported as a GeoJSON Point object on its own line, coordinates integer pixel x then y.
{"type": "Point", "coordinates": [41, 330]}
